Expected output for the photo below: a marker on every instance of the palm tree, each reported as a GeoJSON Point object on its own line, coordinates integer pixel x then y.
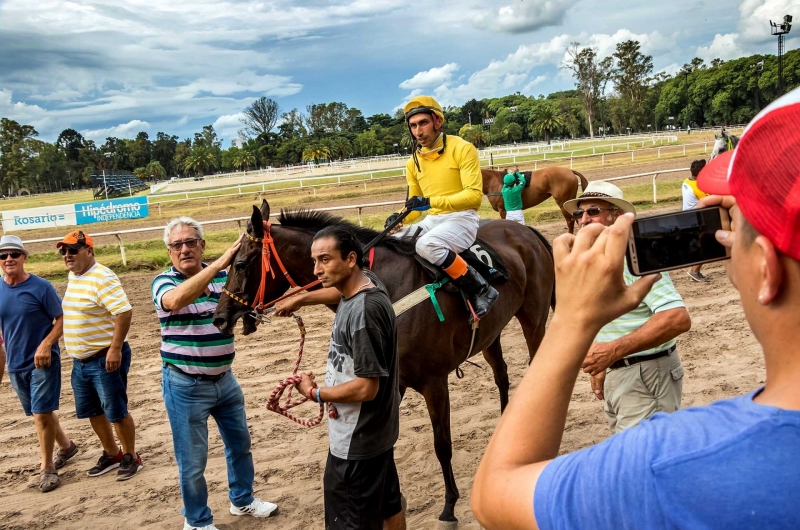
{"type": "Point", "coordinates": [155, 170]}
{"type": "Point", "coordinates": [200, 159]}
{"type": "Point", "coordinates": [545, 121]}
{"type": "Point", "coordinates": [341, 147]}
{"type": "Point", "coordinates": [244, 159]}
{"type": "Point", "coordinates": [316, 152]}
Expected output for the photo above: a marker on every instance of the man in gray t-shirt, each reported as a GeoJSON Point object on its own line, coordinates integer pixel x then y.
{"type": "Point", "coordinates": [361, 486]}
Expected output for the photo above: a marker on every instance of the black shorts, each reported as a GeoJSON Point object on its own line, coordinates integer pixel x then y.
{"type": "Point", "coordinates": [361, 494]}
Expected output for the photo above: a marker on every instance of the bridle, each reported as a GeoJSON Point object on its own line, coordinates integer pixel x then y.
{"type": "Point", "coordinates": [268, 250]}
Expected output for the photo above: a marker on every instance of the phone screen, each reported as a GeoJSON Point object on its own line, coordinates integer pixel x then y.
{"type": "Point", "coordinates": [674, 241]}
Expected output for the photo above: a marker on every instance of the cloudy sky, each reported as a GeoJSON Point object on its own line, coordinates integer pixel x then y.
{"type": "Point", "coordinates": [117, 67]}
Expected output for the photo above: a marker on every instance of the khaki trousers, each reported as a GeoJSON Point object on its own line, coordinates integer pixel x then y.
{"type": "Point", "coordinates": [636, 392]}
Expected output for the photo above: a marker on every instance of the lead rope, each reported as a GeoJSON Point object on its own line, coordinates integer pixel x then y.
{"type": "Point", "coordinates": [273, 403]}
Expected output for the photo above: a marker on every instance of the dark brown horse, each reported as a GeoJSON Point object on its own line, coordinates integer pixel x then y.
{"type": "Point", "coordinates": [429, 350]}
{"type": "Point", "coordinates": [557, 182]}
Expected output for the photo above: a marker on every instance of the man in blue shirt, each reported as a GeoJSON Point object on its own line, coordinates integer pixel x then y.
{"type": "Point", "coordinates": [732, 464]}
{"type": "Point", "coordinates": [32, 322]}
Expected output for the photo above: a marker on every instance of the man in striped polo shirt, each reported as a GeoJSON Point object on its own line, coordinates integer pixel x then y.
{"type": "Point", "coordinates": [197, 381]}
{"type": "Point", "coordinates": [633, 362]}
{"type": "Point", "coordinates": [97, 317]}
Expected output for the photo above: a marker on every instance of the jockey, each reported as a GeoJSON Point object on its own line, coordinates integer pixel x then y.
{"type": "Point", "coordinates": [444, 179]}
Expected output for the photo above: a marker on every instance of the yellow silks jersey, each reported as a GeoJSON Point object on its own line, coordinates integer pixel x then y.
{"type": "Point", "coordinates": [697, 192]}
{"type": "Point", "coordinates": [452, 181]}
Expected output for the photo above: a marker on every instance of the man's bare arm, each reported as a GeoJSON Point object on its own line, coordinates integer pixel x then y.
{"type": "Point", "coordinates": [43, 353]}
{"type": "Point", "coordinates": [324, 296]}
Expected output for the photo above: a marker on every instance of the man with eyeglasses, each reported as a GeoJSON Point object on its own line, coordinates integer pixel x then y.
{"type": "Point", "coordinates": [31, 320]}
{"type": "Point", "coordinates": [633, 362]}
{"type": "Point", "coordinates": [97, 317]}
{"type": "Point", "coordinates": [196, 377]}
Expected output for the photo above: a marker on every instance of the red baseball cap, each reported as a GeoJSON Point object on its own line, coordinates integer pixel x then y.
{"type": "Point", "coordinates": [763, 173]}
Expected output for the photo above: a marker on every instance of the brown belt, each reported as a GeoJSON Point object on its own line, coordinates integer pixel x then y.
{"type": "Point", "coordinates": [95, 355]}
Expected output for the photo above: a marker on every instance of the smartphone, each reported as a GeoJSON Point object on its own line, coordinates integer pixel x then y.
{"type": "Point", "coordinates": [676, 240]}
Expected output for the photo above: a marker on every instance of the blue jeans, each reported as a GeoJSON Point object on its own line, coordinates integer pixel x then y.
{"type": "Point", "coordinates": [189, 403]}
{"type": "Point", "coordinates": [98, 391]}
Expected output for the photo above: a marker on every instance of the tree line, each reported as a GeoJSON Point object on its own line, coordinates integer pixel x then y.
{"type": "Point", "coordinates": [613, 95]}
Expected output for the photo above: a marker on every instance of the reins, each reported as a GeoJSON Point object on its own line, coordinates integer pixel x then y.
{"type": "Point", "coordinates": [261, 313]}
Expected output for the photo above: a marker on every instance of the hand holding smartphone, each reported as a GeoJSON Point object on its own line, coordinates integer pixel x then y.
{"type": "Point", "coordinates": [676, 240]}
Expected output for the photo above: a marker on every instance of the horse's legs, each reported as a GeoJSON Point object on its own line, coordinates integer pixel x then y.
{"type": "Point", "coordinates": [567, 217]}
{"type": "Point", "coordinates": [502, 212]}
{"type": "Point", "coordinates": [437, 399]}
{"type": "Point", "coordinates": [494, 356]}
{"type": "Point", "coordinates": [532, 330]}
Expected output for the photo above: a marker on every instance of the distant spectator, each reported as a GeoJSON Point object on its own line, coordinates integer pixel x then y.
{"type": "Point", "coordinates": [691, 195]}
{"type": "Point", "coordinates": [513, 185]}
{"type": "Point", "coordinates": [97, 317]}
{"type": "Point", "coordinates": [31, 320]}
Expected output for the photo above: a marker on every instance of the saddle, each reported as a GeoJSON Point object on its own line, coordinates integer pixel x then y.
{"type": "Point", "coordinates": [480, 256]}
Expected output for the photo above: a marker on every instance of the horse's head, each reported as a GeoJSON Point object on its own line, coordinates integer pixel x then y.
{"type": "Point", "coordinates": [720, 146]}
{"type": "Point", "coordinates": [244, 278]}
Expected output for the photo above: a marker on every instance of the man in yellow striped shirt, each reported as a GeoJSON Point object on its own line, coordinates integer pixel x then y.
{"type": "Point", "coordinates": [444, 179]}
{"type": "Point", "coordinates": [97, 317]}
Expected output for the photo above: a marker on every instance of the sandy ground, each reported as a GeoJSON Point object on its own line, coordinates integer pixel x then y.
{"type": "Point", "coordinates": [721, 357]}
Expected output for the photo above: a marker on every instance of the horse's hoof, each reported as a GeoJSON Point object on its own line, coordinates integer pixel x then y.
{"type": "Point", "coordinates": [446, 525]}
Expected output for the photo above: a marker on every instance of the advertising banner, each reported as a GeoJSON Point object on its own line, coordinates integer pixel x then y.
{"type": "Point", "coordinates": [75, 214]}
{"type": "Point", "coordinates": [44, 217]}
{"type": "Point", "coordinates": [111, 210]}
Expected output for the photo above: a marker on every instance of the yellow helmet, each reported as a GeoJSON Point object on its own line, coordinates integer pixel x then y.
{"type": "Point", "coordinates": [421, 104]}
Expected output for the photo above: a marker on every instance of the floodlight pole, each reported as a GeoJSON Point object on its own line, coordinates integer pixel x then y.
{"type": "Point", "coordinates": [780, 30]}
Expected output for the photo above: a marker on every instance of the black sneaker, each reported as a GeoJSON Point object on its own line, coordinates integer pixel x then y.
{"type": "Point", "coordinates": [105, 464]}
{"type": "Point", "coordinates": [129, 466]}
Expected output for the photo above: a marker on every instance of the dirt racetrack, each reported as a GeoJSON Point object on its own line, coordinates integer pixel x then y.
{"type": "Point", "coordinates": [721, 357]}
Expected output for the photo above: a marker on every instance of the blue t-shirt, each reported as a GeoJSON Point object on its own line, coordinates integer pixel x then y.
{"type": "Point", "coordinates": [733, 464]}
{"type": "Point", "coordinates": [27, 311]}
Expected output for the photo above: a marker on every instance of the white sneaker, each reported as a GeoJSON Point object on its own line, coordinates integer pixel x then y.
{"type": "Point", "coordinates": [257, 508]}
{"type": "Point", "coordinates": [187, 526]}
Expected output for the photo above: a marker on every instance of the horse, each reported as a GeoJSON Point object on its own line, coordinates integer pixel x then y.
{"type": "Point", "coordinates": [428, 349]}
{"type": "Point", "coordinates": [724, 142]}
{"type": "Point", "coordinates": [557, 182]}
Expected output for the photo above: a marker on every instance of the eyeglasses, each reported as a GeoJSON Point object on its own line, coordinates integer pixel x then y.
{"type": "Point", "coordinates": [177, 245]}
{"type": "Point", "coordinates": [594, 211]}
{"type": "Point", "coordinates": [14, 255]}
{"type": "Point", "coordinates": [72, 251]}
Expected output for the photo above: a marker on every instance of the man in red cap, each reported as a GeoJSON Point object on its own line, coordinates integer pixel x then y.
{"type": "Point", "coordinates": [732, 464]}
{"type": "Point", "coordinates": [97, 317]}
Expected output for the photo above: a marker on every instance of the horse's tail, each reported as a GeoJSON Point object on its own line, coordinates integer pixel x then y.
{"type": "Point", "coordinates": [582, 179]}
{"type": "Point", "coordinates": [549, 248]}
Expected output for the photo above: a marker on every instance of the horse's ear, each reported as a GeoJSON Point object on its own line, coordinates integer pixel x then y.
{"type": "Point", "coordinates": [264, 210]}
{"type": "Point", "coordinates": [255, 226]}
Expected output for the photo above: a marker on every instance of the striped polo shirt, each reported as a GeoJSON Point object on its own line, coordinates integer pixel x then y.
{"type": "Point", "coordinates": [188, 338]}
{"type": "Point", "coordinates": [661, 297]}
{"type": "Point", "coordinates": [91, 304]}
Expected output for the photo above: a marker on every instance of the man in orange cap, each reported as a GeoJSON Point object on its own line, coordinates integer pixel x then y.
{"type": "Point", "coordinates": [97, 317]}
{"type": "Point", "coordinates": [444, 180]}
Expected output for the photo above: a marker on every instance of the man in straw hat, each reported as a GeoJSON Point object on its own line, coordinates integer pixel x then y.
{"type": "Point", "coordinates": [732, 464]}
{"type": "Point", "coordinates": [633, 362]}
{"type": "Point", "coordinates": [97, 317]}
{"type": "Point", "coordinates": [444, 180]}
{"type": "Point", "coordinates": [31, 320]}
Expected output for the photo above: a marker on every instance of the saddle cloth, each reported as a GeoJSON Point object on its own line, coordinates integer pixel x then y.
{"type": "Point", "coordinates": [480, 256]}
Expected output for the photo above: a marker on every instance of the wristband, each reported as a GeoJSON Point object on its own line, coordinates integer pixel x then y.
{"type": "Point", "coordinates": [319, 398]}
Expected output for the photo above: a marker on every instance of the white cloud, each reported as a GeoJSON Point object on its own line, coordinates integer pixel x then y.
{"type": "Point", "coordinates": [517, 71]}
{"type": "Point", "coordinates": [228, 126]}
{"type": "Point", "coordinates": [723, 47]}
{"type": "Point", "coordinates": [430, 78]}
{"type": "Point", "coordinates": [523, 16]}
{"type": "Point", "coordinates": [754, 17]}
{"type": "Point", "coordinates": [123, 130]}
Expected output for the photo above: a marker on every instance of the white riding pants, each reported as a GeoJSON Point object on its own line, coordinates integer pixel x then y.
{"type": "Point", "coordinates": [444, 232]}
{"type": "Point", "coordinates": [516, 215]}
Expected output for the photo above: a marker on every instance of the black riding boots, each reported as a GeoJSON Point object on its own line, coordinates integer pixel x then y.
{"type": "Point", "coordinates": [481, 295]}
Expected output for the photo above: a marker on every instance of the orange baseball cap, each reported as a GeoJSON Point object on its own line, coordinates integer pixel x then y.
{"type": "Point", "coordinates": [77, 238]}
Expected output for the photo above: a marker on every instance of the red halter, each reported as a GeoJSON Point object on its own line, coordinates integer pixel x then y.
{"type": "Point", "coordinates": [267, 250]}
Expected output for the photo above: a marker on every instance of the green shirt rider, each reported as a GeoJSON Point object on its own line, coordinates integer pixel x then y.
{"type": "Point", "coordinates": [513, 184]}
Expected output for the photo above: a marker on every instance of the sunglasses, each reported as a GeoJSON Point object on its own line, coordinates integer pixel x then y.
{"type": "Point", "coordinates": [72, 251]}
{"type": "Point", "coordinates": [594, 211]}
{"type": "Point", "coordinates": [14, 255]}
{"type": "Point", "coordinates": [177, 245]}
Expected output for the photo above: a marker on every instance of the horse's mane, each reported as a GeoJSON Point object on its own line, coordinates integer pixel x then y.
{"type": "Point", "coordinates": [313, 221]}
